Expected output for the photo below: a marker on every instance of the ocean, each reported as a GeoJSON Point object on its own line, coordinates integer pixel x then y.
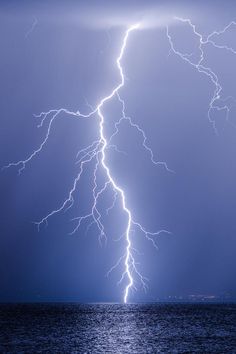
{"type": "Point", "coordinates": [113, 328]}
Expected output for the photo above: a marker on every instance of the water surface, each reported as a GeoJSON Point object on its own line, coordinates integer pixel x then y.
{"type": "Point", "coordinates": [113, 328]}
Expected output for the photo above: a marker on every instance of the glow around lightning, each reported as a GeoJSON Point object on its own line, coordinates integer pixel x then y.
{"type": "Point", "coordinates": [96, 151]}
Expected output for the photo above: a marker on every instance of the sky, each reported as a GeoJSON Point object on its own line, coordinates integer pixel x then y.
{"type": "Point", "coordinates": [63, 54]}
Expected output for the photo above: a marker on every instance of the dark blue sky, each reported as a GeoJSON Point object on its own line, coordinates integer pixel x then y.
{"type": "Point", "coordinates": [68, 59]}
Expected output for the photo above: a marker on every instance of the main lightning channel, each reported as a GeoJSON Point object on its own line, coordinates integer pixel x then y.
{"type": "Point", "coordinates": [116, 187]}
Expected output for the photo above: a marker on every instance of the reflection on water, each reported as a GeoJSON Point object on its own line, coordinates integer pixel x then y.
{"type": "Point", "coordinates": [113, 328]}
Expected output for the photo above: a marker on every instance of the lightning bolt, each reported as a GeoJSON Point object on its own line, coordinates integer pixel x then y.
{"type": "Point", "coordinates": [217, 103]}
{"type": "Point", "coordinates": [96, 153]}
{"type": "Point", "coordinates": [31, 28]}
